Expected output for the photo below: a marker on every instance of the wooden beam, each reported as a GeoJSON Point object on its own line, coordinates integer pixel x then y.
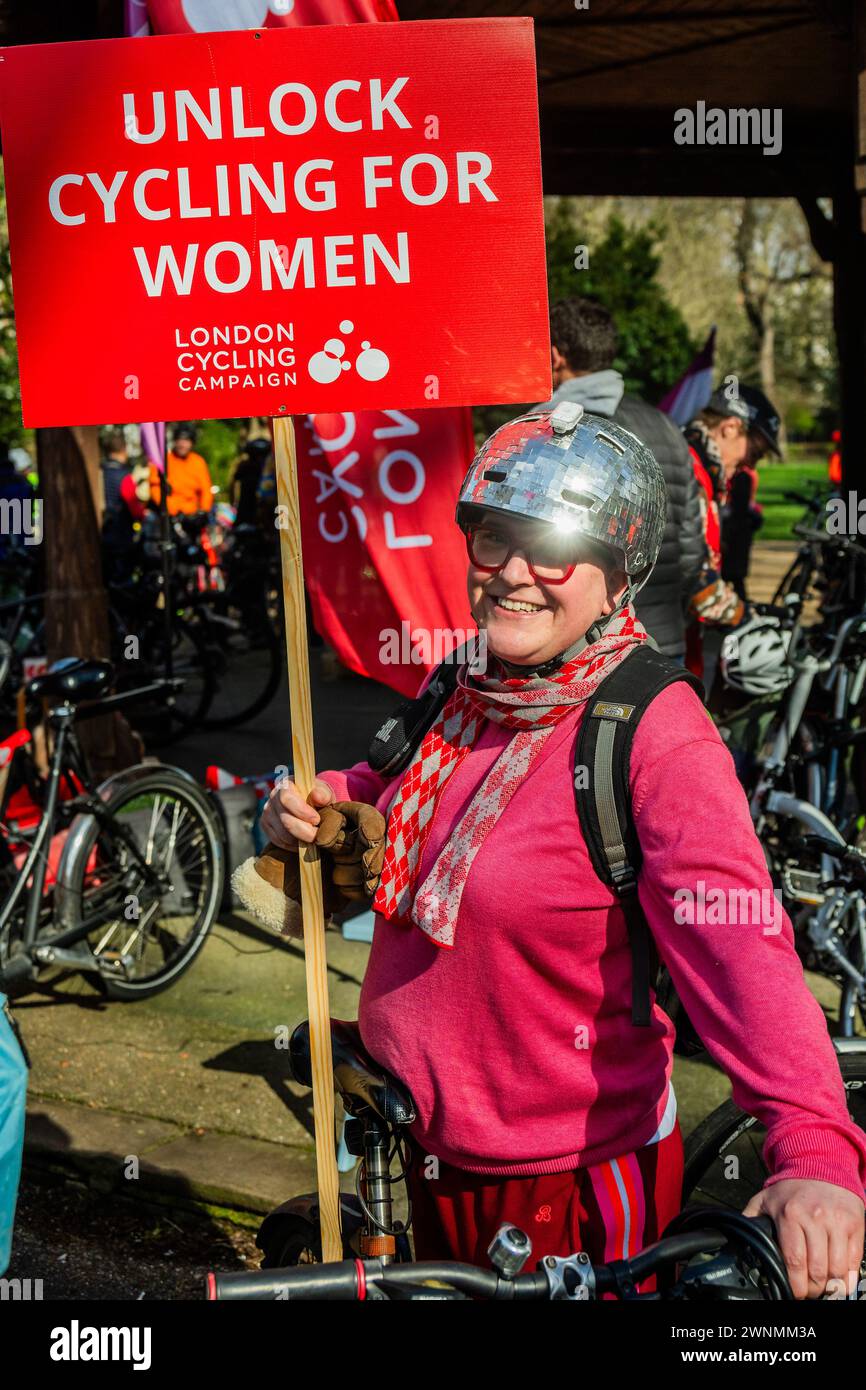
{"type": "Point", "coordinates": [632, 152]}
{"type": "Point", "coordinates": [646, 18]}
{"type": "Point", "coordinates": [684, 50]}
{"type": "Point", "coordinates": [304, 769]}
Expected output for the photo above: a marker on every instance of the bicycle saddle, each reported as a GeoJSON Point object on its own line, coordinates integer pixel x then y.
{"type": "Point", "coordinates": [360, 1081]}
{"type": "Point", "coordinates": [72, 679]}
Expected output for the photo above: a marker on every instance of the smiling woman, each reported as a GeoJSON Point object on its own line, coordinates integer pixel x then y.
{"type": "Point", "coordinates": [517, 901]}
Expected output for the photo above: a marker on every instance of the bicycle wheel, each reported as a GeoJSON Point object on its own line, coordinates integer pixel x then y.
{"type": "Point", "coordinates": [247, 656]}
{"type": "Point", "coordinates": [191, 662]}
{"type": "Point", "coordinates": [147, 928]}
{"type": "Point", "coordinates": [291, 1240]}
{"type": "Point", "coordinates": [724, 1163]}
{"type": "Point", "coordinates": [798, 577]}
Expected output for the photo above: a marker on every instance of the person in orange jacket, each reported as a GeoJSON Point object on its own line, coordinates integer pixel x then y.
{"type": "Point", "coordinates": [189, 481]}
{"type": "Point", "coordinates": [834, 463]}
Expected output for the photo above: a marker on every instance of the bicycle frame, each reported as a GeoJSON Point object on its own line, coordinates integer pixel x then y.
{"type": "Point", "coordinates": [816, 811]}
{"type": "Point", "coordinates": [366, 1219]}
{"type": "Point", "coordinates": [66, 758]}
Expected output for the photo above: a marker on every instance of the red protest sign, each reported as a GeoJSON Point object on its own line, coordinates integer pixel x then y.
{"type": "Point", "coordinates": [276, 221]}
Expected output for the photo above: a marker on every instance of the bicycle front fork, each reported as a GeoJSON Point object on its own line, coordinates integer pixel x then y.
{"type": "Point", "coordinates": [369, 1138]}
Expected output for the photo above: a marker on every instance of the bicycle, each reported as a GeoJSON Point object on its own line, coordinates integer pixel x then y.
{"type": "Point", "coordinates": [708, 1252]}
{"type": "Point", "coordinates": [729, 1133]}
{"type": "Point", "coordinates": [704, 1255]}
{"type": "Point", "coordinates": [120, 882]}
{"type": "Point", "coordinates": [811, 559]}
{"type": "Point", "coordinates": [224, 639]}
{"type": "Point", "coordinates": [801, 788]}
{"type": "Point", "coordinates": [239, 621]}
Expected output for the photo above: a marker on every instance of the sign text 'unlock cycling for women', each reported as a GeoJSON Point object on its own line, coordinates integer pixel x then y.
{"type": "Point", "coordinates": [330, 218]}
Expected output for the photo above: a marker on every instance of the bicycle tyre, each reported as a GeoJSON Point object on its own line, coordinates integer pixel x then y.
{"type": "Point", "coordinates": [180, 788]}
{"type": "Point", "coordinates": [715, 1135]}
{"type": "Point", "coordinates": [163, 723]}
{"type": "Point", "coordinates": [293, 1240]}
{"type": "Point", "coordinates": [271, 647]}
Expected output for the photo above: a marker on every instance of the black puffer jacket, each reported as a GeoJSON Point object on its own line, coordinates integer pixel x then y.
{"type": "Point", "coordinates": [661, 602]}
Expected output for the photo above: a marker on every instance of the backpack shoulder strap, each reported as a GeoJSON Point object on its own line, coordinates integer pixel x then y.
{"type": "Point", "coordinates": [602, 792]}
{"type": "Point", "coordinates": [395, 743]}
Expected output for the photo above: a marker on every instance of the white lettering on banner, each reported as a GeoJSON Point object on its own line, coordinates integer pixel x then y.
{"type": "Point", "coordinates": [230, 189]}
{"type": "Point", "coordinates": [334, 481]}
{"type": "Point", "coordinates": [245, 189]}
{"type": "Point", "coordinates": [404, 425]}
{"type": "Point", "coordinates": [236, 333]}
{"type": "Point", "coordinates": [340, 441]}
{"type": "Point", "coordinates": [335, 529]}
{"type": "Point", "coordinates": [395, 542]}
{"type": "Point", "coordinates": [401, 456]}
{"type": "Point", "coordinates": [329, 535]}
{"type": "Point", "coordinates": [211, 125]}
{"type": "Point", "coordinates": [239, 271]}
{"type": "Point", "coordinates": [360, 521]}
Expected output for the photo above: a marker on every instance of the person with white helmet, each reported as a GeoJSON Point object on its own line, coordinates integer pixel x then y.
{"type": "Point", "coordinates": [502, 986]}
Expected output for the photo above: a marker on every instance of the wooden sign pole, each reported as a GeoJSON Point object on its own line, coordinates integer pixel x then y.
{"type": "Point", "coordinates": [311, 869]}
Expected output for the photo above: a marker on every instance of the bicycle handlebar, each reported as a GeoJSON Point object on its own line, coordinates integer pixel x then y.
{"type": "Point", "coordinates": [350, 1281]}
{"type": "Point", "coordinates": [803, 500]}
{"type": "Point", "coordinates": [789, 611]}
{"type": "Point", "coordinates": [841, 541]}
{"type": "Point", "coordinates": [696, 1231]}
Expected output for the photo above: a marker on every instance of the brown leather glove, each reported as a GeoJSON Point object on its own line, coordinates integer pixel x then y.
{"type": "Point", "coordinates": [351, 836]}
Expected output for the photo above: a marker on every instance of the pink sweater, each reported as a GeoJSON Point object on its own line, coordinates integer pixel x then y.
{"type": "Point", "coordinates": [518, 1046]}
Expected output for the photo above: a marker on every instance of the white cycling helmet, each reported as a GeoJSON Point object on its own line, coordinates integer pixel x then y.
{"type": "Point", "coordinates": [754, 657]}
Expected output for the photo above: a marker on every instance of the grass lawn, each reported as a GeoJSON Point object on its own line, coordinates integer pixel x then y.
{"type": "Point", "coordinates": [804, 470]}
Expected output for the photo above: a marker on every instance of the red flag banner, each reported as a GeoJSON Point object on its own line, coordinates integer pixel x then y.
{"type": "Point", "coordinates": [276, 221]}
{"type": "Point", "coordinates": [205, 16]}
{"type": "Point", "coordinates": [385, 563]}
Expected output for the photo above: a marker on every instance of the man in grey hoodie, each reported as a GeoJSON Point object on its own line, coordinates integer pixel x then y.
{"type": "Point", "coordinates": [583, 348]}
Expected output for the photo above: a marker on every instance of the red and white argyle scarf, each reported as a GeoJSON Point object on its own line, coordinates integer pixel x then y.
{"type": "Point", "coordinates": [531, 706]}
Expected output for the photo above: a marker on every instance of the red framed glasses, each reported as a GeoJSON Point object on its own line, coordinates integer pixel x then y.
{"type": "Point", "coordinates": [550, 559]}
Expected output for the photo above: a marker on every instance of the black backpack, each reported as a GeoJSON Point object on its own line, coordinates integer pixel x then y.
{"type": "Point", "coordinates": [602, 799]}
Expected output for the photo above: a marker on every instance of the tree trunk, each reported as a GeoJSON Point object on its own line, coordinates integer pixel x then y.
{"type": "Point", "coordinates": [767, 364]}
{"type": "Point", "coordinates": [757, 291]}
{"type": "Point", "coordinates": [76, 603]}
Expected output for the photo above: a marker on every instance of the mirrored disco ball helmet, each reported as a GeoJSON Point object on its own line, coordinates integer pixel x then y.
{"type": "Point", "coordinates": [582, 474]}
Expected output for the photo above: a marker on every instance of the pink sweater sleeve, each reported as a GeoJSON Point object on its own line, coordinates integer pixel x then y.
{"type": "Point", "coordinates": [735, 966]}
{"type": "Point", "coordinates": [358, 783]}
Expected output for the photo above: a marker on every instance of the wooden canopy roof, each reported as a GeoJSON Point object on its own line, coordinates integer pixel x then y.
{"type": "Point", "coordinates": [611, 76]}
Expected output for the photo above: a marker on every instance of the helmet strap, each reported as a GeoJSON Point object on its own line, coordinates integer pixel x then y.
{"type": "Point", "coordinates": [547, 668]}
